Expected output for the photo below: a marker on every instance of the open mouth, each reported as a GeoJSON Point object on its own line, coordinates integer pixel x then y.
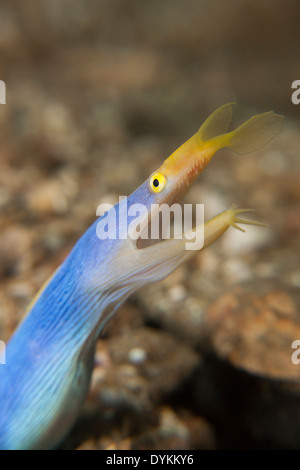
{"type": "Point", "coordinates": [167, 221]}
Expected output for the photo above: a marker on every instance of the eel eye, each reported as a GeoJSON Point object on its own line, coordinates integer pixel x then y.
{"type": "Point", "coordinates": [157, 182]}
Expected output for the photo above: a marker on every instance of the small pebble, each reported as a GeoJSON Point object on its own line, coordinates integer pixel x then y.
{"type": "Point", "coordinates": [137, 356]}
{"type": "Point", "coordinates": [177, 293]}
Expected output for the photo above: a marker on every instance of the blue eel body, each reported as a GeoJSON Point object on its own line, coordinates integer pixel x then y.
{"type": "Point", "coordinates": [55, 343]}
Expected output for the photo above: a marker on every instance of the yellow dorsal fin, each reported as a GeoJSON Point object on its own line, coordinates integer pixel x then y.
{"type": "Point", "coordinates": [217, 123]}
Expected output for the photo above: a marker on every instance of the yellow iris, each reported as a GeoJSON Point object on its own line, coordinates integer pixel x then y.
{"type": "Point", "coordinates": [157, 182]}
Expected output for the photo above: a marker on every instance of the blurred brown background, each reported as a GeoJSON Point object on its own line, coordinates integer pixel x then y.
{"type": "Point", "coordinates": [98, 93]}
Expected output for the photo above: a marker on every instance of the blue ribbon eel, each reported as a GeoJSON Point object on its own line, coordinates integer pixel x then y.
{"type": "Point", "coordinates": [49, 358]}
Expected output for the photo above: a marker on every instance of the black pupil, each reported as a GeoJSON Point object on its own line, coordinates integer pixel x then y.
{"type": "Point", "coordinates": [155, 183]}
